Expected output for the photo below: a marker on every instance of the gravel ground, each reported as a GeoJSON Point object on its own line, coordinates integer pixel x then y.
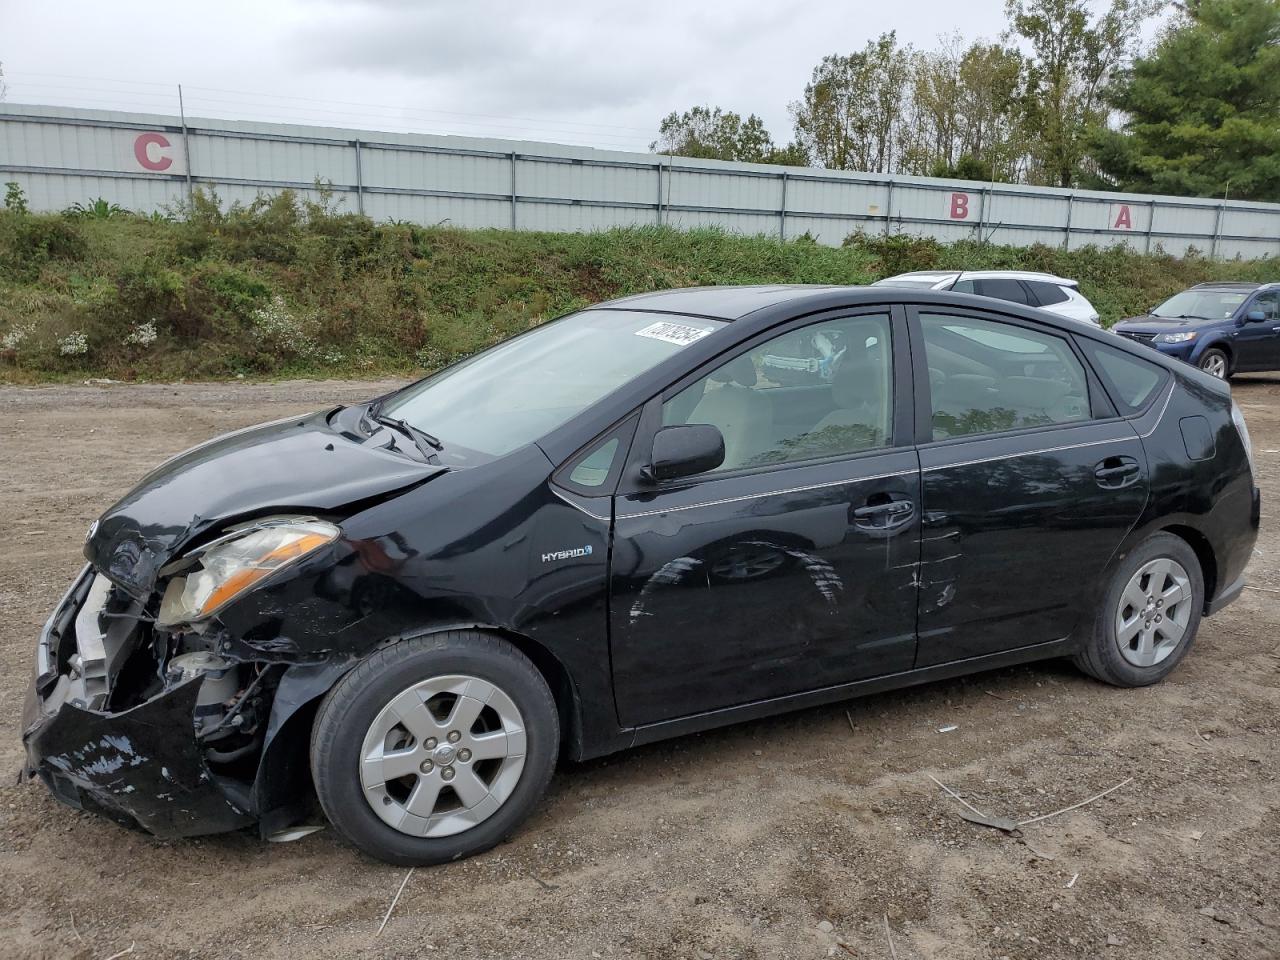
{"type": "Point", "coordinates": [801, 836]}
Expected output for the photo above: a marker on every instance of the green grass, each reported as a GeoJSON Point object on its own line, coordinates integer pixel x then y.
{"type": "Point", "coordinates": [284, 288]}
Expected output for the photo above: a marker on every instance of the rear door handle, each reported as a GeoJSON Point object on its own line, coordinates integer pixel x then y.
{"type": "Point", "coordinates": [1115, 473]}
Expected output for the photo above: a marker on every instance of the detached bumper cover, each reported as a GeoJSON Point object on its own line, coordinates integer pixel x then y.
{"type": "Point", "coordinates": [140, 767]}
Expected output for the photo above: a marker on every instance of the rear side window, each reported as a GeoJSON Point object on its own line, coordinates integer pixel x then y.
{"type": "Point", "coordinates": [988, 377]}
{"type": "Point", "coordinates": [1010, 290]}
{"type": "Point", "coordinates": [1132, 382]}
{"type": "Point", "coordinates": [1047, 293]}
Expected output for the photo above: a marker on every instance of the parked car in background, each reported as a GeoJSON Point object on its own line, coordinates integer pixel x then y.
{"type": "Point", "coordinates": [617, 528]}
{"type": "Point", "coordinates": [1044, 290]}
{"type": "Point", "coordinates": [1223, 328]}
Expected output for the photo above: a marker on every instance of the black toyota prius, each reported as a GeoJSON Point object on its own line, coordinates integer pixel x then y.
{"type": "Point", "coordinates": [619, 527]}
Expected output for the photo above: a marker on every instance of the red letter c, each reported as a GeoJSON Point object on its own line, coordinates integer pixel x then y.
{"type": "Point", "coordinates": [140, 151]}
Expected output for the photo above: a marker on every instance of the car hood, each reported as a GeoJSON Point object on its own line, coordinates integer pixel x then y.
{"type": "Point", "coordinates": [297, 465]}
{"type": "Point", "coordinates": [1149, 324]}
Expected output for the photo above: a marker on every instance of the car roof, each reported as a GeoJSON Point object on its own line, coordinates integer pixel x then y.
{"type": "Point", "coordinates": [984, 275]}
{"type": "Point", "coordinates": [719, 303]}
{"type": "Point", "coordinates": [1235, 285]}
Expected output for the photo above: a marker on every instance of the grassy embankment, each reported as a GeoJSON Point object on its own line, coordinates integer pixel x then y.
{"type": "Point", "coordinates": [290, 289]}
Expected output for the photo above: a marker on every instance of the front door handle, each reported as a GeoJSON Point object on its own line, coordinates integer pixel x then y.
{"type": "Point", "coordinates": [882, 512]}
{"type": "Point", "coordinates": [1114, 473]}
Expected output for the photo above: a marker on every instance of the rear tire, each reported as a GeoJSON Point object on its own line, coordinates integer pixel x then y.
{"type": "Point", "coordinates": [435, 748]}
{"type": "Point", "coordinates": [1149, 616]}
{"type": "Point", "coordinates": [1216, 363]}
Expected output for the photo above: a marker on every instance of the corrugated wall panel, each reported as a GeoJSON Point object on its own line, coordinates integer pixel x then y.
{"type": "Point", "coordinates": [62, 156]}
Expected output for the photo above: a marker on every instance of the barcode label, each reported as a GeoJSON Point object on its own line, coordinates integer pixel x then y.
{"type": "Point", "coordinates": [678, 333]}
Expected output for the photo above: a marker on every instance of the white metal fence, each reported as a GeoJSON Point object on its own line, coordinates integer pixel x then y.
{"type": "Point", "coordinates": [148, 162]}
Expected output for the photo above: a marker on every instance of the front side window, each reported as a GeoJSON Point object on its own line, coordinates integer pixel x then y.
{"type": "Point", "coordinates": [520, 390]}
{"type": "Point", "coordinates": [987, 377]}
{"type": "Point", "coordinates": [820, 391]}
{"type": "Point", "coordinates": [1268, 303]}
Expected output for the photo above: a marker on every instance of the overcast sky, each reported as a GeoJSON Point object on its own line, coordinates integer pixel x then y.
{"type": "Point", "coordinates": [577, 71]}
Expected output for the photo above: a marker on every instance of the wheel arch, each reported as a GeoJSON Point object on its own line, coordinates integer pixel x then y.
{"type": "Point", "coordinates": [1203, 550]}
{"type": "Point", "coordinates": [1220, 343]}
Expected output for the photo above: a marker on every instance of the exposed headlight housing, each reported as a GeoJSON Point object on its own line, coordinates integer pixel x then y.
{"type": "Point", "coordinates": [1182, 336]}
{"type": "Point", "coordinates": [236, 563]}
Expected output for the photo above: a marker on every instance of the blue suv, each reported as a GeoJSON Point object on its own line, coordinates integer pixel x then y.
{"type": "Point", "coordinates": [1223, 328]}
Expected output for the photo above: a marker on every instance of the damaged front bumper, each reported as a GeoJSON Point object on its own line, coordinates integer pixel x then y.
{"type": "Point", "coordinates": [142, 765]}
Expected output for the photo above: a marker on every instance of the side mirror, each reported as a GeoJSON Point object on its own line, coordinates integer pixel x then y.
{"type": "Point", "coordinates": [1255, 316]}
{"type": "Point", "coordinates": [683, 451]}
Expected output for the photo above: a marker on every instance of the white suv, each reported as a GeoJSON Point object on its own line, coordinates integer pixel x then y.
{"type": "Point", "coordinates": [1044, 290]}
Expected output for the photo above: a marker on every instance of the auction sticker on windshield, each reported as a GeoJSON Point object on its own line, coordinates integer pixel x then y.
{"type": "Point", "coordinates": [677, 333]}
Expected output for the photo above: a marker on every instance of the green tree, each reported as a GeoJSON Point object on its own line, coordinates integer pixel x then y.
{"type": "Point", "coordinates": [967, 112]}
{"type": "Point", "coordinates": [714, 134]}
{"type": "Point", "coordinates": [1073, 56]}
{"type": "Point", "coordinates": [1202, 111]}
{"type": "Point", "coordinates": [851, 115]}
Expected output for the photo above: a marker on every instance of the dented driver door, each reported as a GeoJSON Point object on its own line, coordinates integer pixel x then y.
{"type": "Point", "coordinates": [747, 584]}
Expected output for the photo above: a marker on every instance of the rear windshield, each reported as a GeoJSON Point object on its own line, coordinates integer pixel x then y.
{"type": "Point", "coordinates": [520, 390]}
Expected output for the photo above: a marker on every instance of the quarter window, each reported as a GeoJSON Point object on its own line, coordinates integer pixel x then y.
{"type": "Point", "coordinates": [1046, 293]}
{"type": "Point", "coordinates": [987, 377]}
{"type": "Point", "coordinates": [820, 391]}
{"type": "Point", "coordinates": [1133, 383]}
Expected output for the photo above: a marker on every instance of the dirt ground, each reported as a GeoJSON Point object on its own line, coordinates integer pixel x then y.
{"type": "Point", "coordinates": [802, 836]}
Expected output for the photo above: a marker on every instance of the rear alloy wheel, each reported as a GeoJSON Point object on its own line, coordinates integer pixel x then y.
{"type": "Point", "coordinates": [1214, 362]}
{"type": "Point", "coordinates": [435, 748]}
{"type": "Point", "coordinates": [1150, 616]}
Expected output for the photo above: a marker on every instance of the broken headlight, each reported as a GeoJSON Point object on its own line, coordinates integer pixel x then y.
{"type": "Point", "coordinates": [236, 563]}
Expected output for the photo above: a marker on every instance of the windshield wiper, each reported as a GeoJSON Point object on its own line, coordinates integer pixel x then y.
{"type": "Point", "coordinates": [427, 444]}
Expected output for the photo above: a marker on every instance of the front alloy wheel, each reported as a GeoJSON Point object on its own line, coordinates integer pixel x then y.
{"type": "Point", "coordinates": [442, 756]}
{"type": "Point", "coordinates": [1214, 363]}
{"type": "Point", "coordinates": [435, 748]}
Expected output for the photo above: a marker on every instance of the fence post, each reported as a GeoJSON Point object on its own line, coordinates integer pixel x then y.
{"type": "Point", "coordinates": [1151, 226]}
{"type": "Point", "coordinates": [514, 199]}
{"type": "Point", "coordinates": [888, 208]}
{"type": "Point", "coordinates": [1217, 231]}
{"type": "Point", "coordinates": [782, 210]}
{"type": "Point", "coordinates": [657, 167]}
{"type": "Point", "coordinates": [359, 180]}
{"type": "Point", "coordinates": [1066, 233]}
{"type": "Point", "coordinates": [982, 213]}
{"type": "Point", "coordinates": [186, 141]}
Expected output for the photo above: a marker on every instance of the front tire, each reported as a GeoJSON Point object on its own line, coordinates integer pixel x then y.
{"type": "Point", "coordinates": [1149, 616]}
{"type": "Point", "coordinates": [1216, 363]}
{"type": "Point", "coordinates": [435, 748]}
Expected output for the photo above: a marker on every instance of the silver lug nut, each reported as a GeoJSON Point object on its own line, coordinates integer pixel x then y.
{"type": "Point", "coordinates": [447, 773]}
{"type": "Point", "coordinates": [427, 766]}
{"type": "Point", "coordinates": [464, 755]}
{"type": "Point", "coordinates": [430, 743]}
{"type": "Point", "coordinates": [454, 736]}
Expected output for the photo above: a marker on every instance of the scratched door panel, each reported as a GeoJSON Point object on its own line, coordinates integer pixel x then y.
{"type": "Point", "coordinates": [742, 588]}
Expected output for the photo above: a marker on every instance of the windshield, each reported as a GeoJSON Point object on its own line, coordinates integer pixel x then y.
{"type": "Point", "coordinates": [521, 389]}
{"type": "Point", "coordinates": [1204, 304]}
